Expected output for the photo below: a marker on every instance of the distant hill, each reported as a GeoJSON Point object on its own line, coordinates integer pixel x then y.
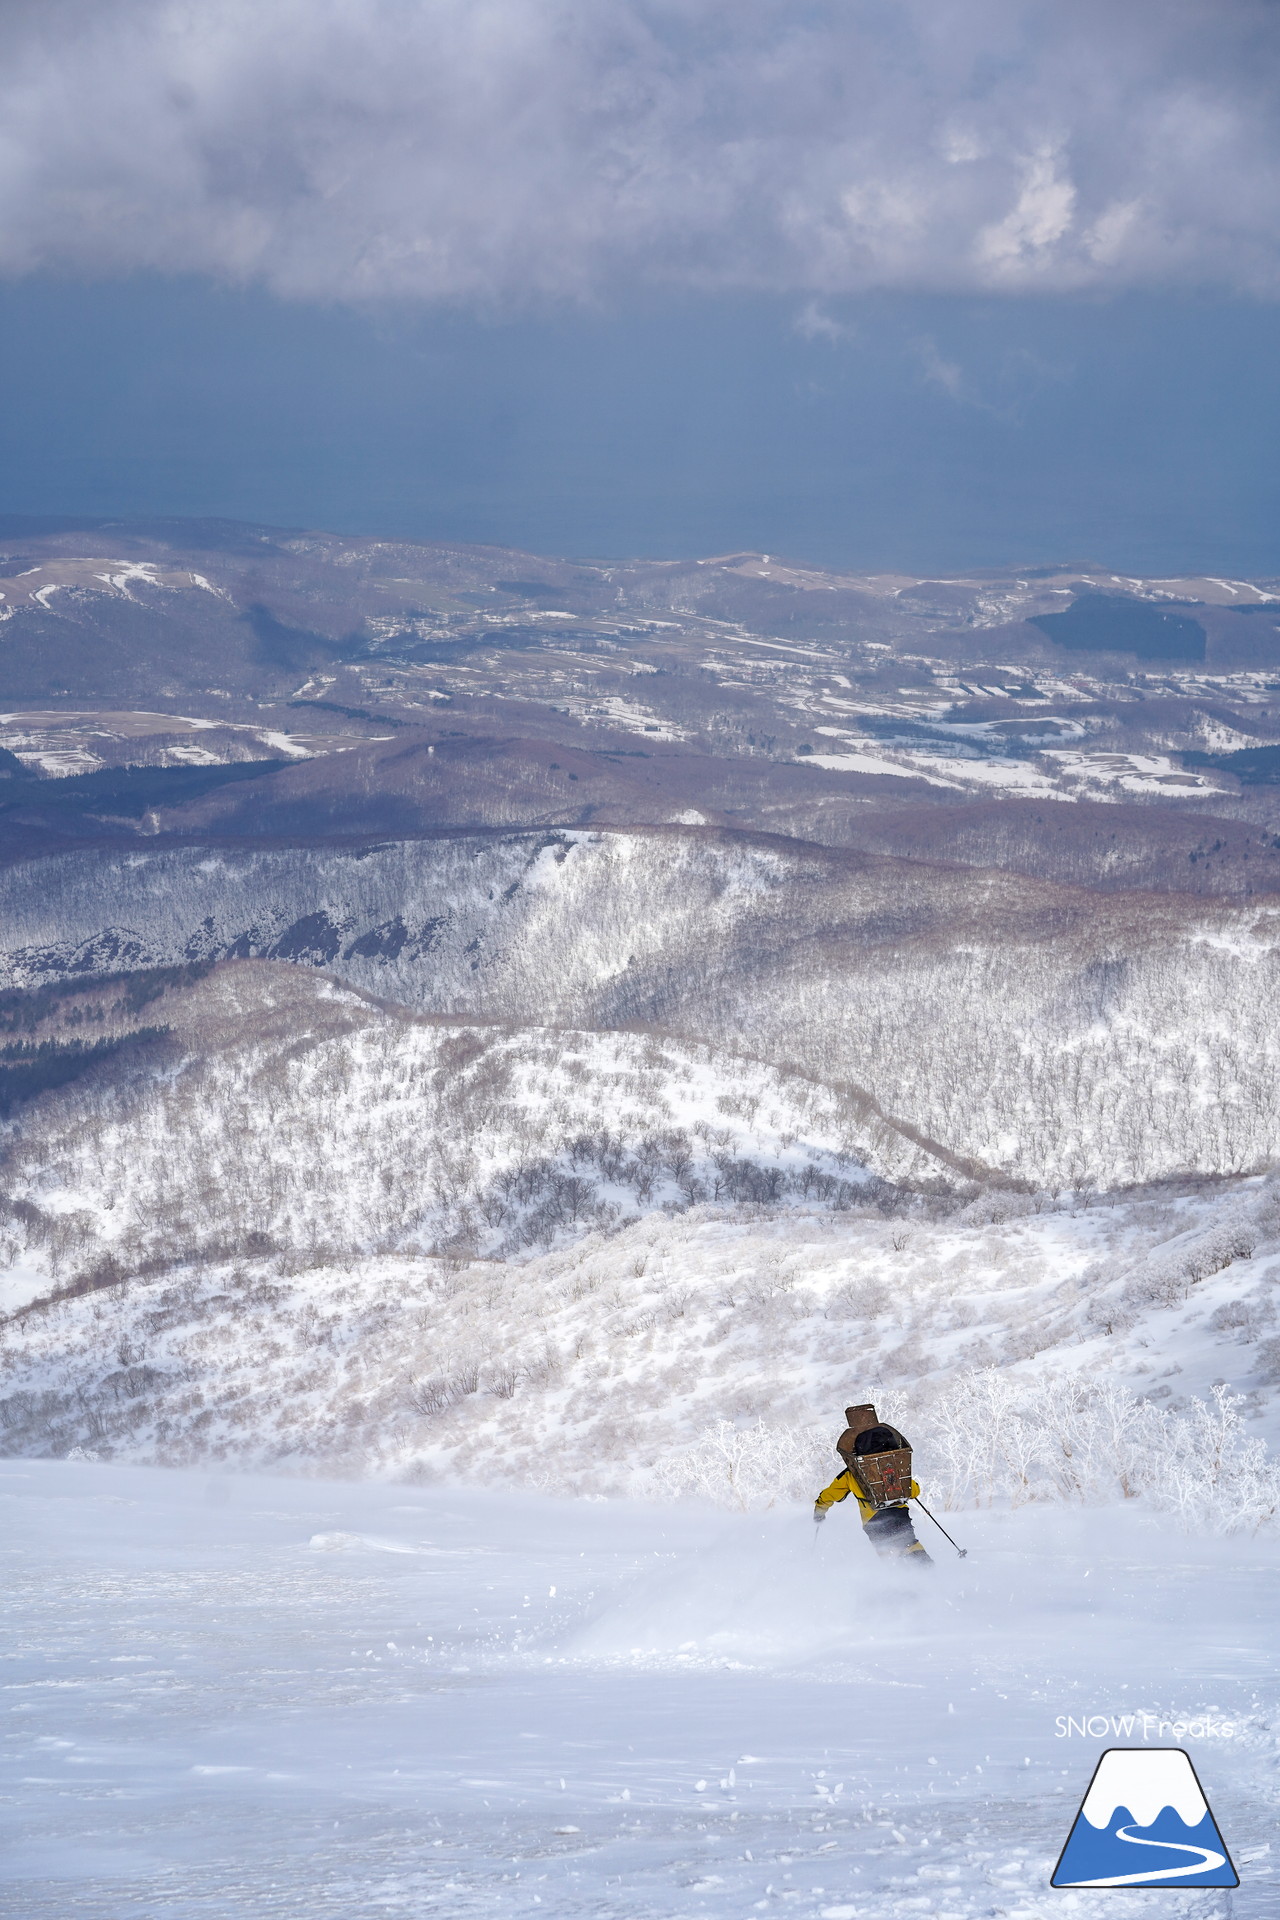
{"type": "Point", "coordinates": [392, 688]}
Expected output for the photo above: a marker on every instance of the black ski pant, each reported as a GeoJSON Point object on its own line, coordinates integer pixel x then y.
{"type": "Point", "coordinates": [890, 1532]}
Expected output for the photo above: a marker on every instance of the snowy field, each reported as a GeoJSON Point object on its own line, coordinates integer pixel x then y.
{"type": "Point", "coordinates": [242, 1696]}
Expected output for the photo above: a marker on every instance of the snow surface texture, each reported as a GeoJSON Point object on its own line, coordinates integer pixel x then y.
{"type": "Point", "coordinates": [1005, 1026]}
{"type": "Point", "coordinates": [596, 1366]}
{"type": "Point", "coordinates": [231, 1698]}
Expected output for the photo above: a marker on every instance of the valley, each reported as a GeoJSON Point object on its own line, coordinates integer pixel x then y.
{"type": "Point", "coordinates": [523, 981]}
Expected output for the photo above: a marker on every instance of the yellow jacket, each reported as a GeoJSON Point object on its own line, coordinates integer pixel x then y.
{"type": "Point", "coordinates": [842, 1486]}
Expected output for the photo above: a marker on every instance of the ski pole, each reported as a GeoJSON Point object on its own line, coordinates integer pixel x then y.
{"type": "Point", "coordinates": [962, 1551]}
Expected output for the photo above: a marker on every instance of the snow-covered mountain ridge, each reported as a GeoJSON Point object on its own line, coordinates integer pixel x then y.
{"type": "Point", "coordinates": [389, 1196]}
{"type": "Point", "coordinates": [586, 1368]}
{"type": "Point", "coordinates": [1032, 1032]}
{"type": "Point", "coordinates": [272, 1218]}
{"type": "Point", "coordinates": [277, 1110]}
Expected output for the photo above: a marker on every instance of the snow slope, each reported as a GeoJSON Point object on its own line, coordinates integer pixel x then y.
{"type": "Point", "coordinates": [282, 1223]}
{"type": "Point", "coordinates": [591, 1367]}
{"type": "Point", "coordinates": [235, 1698]}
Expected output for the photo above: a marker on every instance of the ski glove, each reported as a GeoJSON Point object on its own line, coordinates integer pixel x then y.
{"type": "Point", "coordinates": [819, 1515]}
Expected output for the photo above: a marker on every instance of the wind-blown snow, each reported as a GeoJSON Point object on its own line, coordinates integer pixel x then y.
{"type": "Point", "coordinates": [229, 1698]}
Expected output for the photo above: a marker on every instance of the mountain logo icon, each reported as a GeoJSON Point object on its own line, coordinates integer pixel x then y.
{"type": "Point", "coordinates": [1145, 1823]}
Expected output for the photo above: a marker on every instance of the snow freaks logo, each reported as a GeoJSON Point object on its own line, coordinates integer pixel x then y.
{"type": "Point", "coordinates": [1146, 1726]}
{"type": "Point", "coordinates": [1144, 1823]}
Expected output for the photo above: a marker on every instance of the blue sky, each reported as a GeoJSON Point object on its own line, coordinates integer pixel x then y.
{"type": "Point", "coordinates": [976, 283]}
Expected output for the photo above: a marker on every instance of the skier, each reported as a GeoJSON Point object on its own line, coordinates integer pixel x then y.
{"type": "Point", "coordinates": [881, 1485]}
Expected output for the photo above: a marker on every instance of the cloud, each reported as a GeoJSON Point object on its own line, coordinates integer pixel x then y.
{"type": "Point", "coordinates": [939, 372]}
{"type": "Point", "coordinates": [1001, 393]}
{"type": "Point", "coordinates": [813, 322]}
{"type": "Point", "coordinates": [498, 151]}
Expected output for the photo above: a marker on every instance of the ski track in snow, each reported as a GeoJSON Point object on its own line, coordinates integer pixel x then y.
{"type": "Point", "coordinates": [242, 1696]}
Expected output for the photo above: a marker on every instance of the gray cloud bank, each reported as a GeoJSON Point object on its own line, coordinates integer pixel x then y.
{"type": "Point", "coordinates": [499, 150]}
